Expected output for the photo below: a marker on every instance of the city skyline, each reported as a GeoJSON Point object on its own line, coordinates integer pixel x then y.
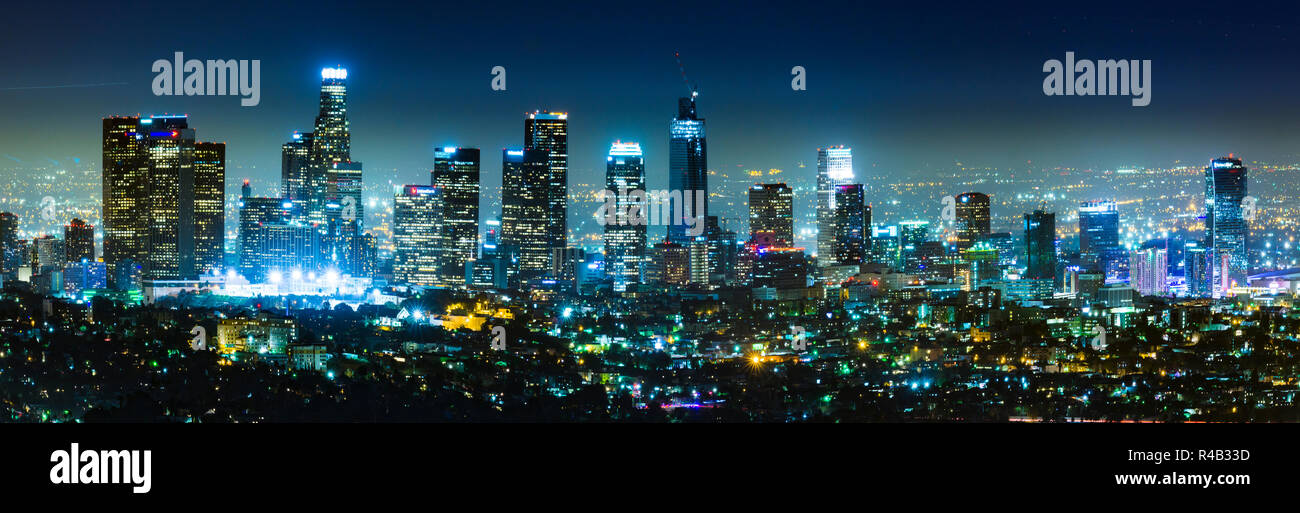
{"type": "Point", "coordinates": [324, 222]}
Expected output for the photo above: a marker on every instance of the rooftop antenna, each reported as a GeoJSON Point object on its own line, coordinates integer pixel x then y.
{"type": "Point", "coordinates": [682, 68]}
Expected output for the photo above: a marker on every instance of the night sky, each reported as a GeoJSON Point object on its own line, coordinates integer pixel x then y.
{"type": "Point", "coordinates": [911, 88]}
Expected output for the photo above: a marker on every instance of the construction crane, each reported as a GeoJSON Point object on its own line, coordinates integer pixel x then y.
{"type": "Point", "coordinates": [682, 68]}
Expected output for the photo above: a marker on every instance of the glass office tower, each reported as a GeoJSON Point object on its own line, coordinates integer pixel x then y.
{"type": "Point", "coordinates": [625, 240]}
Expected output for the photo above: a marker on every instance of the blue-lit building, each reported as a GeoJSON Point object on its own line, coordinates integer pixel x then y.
{"type": "Point", "coordinates": [625, 238]}
{"type": "Point", "coordinates": [84, 275]}
{"type": "Point", "coordinates": [331, 143]}
{"type": "Point", "coordinates": [257, 217]}
{"type": "Point", "coordinates": [852, 226]}
{"type": "Point", "coordinates": [1225, 228]}
{"type": "Point", "coordinates": [1099, 247]}
{"type": "Point", "coordinates": [297, 183]}
{"type": "Point", "coordinates": [687, 165]}
{"type": "Point", "coordinates": [1040, 247]}
{"type": "Point", "coordinates": [489, 270]}
{"type": "Point", "coordinates": [1196, 277]}
{"type": "Point", "coordinates": [884, 246]}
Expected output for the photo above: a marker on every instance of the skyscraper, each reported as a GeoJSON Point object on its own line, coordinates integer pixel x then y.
{"type": "Point", "coordinates": [1099, 239]}
{"type": "Point", "coordinates": [1195, 271]}
{"type": "Point", "coordinates": [331, 142]}
{"type": "Point", "coordinates": [852, 224]}
{"type": "Point", "coordinates": [346, 214]}
{"type": "Point", "coordinates": [170, 251]}
{"type": "Point", "coordinates": [417, 216]}
{"type": "Point", "coordinates": [549, 132]}
{"type": "Point", "coordinates": [972, 218]}
{"type": "Point", "coordinates": [79, 241]}
{"type": "Point", "coordinates": [456, 176]}
{"type": "Point", "coordinates": [834, 167]}
{"type": "Point", "coordinates": [1225, 228]}
{"type": "Point", "coordinates": [10, 253]}
{"type": "Point", "coordinates": [625, 239]}
{"type": "Point", "coordinates": [886, 245]}
{"type": "Point", "coordinates": [771, 214]}
{"type": "Point", "coordinates": [296, 178]}
{"type": "Point", "coordinates": [1040, 244]}
{"type": "Point", "coordinates": [722, 252]}
{"type": "Point", "coordinates": [209, 207]}
{"type": "Point", "coordinates": [524, 204]}
{"type": "Point", "coordinates": [125, 192]}
{"type": "Point", "coordinates": [687, 166]}
{"type": "Point", "coordinates": [912, 235]}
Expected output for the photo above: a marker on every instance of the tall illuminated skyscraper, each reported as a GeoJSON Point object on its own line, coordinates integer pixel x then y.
{"type": "Point", "coordinates": [1099, 239]}
{"type": "Point", "coordinates": [456, 176]}
{"type": "Point", "coordinates": [209, 207]}
{"type": "Point", "coordinates": [972, 218]}
{"type": "Point", "coordinates": [549, 132]}
{"type": "Point", "coordinates": [912, 236]}
{"type": "Point", "coordinates": [687, 166]}
{"type": "Point", "coordinates": [331, 141]}
{"type": "Point", "coordinates": [771, 215]}
{"type": "Point", "coordinates": [10, 253]}
{"type": "Point", "coordinates": [1195, 271]}
{"type": "Point", "coordinates": [417, 216]}
{"type": "Point", "coordinates": [1040, 244]}
{"type": "Point", "coordinates": [524, 203]}
{"type": "Point", "coordinates": [1225, 228]}
{"type": "Point", "coordinates": [346, 214]}
{"type": "Point", "coordinates": [834, 167]}
{"type": "Point", "coordinates": [125, 192]}
{"type": "Point", "coordinates": [170, 251]}
{"type": "Point", "coordinates": [625, 240]}
{"type": "Point", "coordinates": [852, 225]}
{"type": "Point", "coordinates": [296, 178]}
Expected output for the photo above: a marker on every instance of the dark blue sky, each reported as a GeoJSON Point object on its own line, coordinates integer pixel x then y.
{"type": "Point", "coordinates": [911, 86]}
